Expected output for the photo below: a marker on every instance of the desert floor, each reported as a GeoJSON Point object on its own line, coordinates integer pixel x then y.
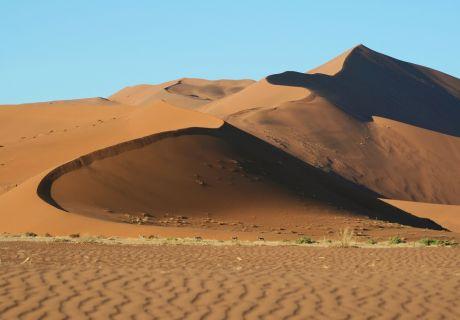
{"type": "Point", "coordinates": [100, 281]}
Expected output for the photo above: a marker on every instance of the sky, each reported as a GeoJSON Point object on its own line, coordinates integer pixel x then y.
{"type": "Point", "coordinates": [64, 49]}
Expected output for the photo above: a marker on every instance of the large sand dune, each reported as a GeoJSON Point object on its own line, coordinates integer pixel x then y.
{"type": "Point", "coordinates": [389, 125]}
{"type": "Point", "coordinates": [214, 179]}
{"type": "Point", "coordinates": [324, 147]}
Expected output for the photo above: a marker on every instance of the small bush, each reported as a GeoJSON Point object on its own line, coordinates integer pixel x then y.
{"type": "Point", "coordinates": [305, 240]}
{"type": "Point", "coordinates": [448, 243]}
{"type": "Point", "coordinates": [435, 242]}
{"type": "Point", "coordinates": [371, 241]}
{"type": "Point", "coordinates": [396, 240]}
{"type": "Point", "coordinates": [30, 234]}
{"type": "Point", "coordinates": [428, 242]}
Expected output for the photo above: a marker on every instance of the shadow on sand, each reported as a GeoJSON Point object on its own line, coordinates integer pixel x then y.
{"type": "Point", "coordinates": [372, 84]}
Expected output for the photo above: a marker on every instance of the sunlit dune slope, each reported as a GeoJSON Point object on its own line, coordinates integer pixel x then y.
{"type": "Point", "coordinates": [186, 92]}
{"type": "Point", "coordinates": [36, 136]}
{"type": "Point", "coordinates": [446, 215]}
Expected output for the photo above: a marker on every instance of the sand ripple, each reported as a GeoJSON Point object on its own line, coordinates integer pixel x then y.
{"type": "Point", "coordinates": [78, 281]}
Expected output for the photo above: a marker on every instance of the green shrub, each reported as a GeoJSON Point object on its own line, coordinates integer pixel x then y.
{"type": "Point", "coordinates": [305, 240]}
{"type": "Point", "coordinates": [371, 241]}
{"type": "Point", "coordinates": [435, 242]}
{"type": "Point", "coordinates": [396, 240]}
{"type": "Point", "coordinates": [429, 242]}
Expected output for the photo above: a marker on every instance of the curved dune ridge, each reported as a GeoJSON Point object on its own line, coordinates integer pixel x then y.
{"type": "Point", "coordinates": [59, 127]}
{"type": "Point", "coordinates": [210, 178]}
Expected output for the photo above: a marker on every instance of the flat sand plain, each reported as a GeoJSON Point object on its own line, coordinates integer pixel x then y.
{"type": "Point", "coordinates": [99, 281]}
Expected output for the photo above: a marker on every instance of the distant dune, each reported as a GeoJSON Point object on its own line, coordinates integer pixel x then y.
{"type": "Point", "coordinates": [290, 155]}
{"type": "Point", "coordinates": [186, 92]}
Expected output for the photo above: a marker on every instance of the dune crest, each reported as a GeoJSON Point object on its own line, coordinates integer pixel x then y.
{"type": "Point", "coordinates": [334, 66]}
{"type": "Point", "coordinates": [185, 92]}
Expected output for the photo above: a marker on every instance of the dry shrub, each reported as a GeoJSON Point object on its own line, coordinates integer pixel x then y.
{"type": "Point", "coordinates": [346, 236]}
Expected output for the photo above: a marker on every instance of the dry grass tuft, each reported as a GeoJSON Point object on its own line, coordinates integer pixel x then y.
{"type": "Point", "coordinates": [346, 237]}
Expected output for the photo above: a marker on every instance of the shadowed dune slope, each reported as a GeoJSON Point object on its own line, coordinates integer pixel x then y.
{"type": "Point", "coordinates": [185, 93]}
{"type": "Point", "coordinates": [383, 123]}
{"type": "Point", "coordinates": [201, 174]}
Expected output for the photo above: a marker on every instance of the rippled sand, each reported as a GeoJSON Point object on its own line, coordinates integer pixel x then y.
{"type": "Point", "coordinates": [78, 281]}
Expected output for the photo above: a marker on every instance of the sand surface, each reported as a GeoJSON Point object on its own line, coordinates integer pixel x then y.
{"type": "Point", "coordinates": [188, 93]}
{"type": "Point", "coordinates": [60, 280]}
{"type": "Point", "coordinates": [389, 125]}
{"type": "Point", "coordinates": [446, 215]}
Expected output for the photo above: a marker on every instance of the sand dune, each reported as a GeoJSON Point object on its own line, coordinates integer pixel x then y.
{"type": "Point", "coordinates": [186, 92]}
{"type": "Point", "coordinates": [214, 179]}
{"type": "Point", "coordinates": [215, 183]}
{"type": "Point", "coordinates": [135, 164]}
{"type": "Point", "coordinates": [386, 124]}
{"type": "Point", "coordinates": [32, 213]}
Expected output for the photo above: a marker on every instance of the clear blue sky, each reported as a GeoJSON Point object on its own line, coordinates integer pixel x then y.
{"type": "Point", "coordinates": [84, 48]}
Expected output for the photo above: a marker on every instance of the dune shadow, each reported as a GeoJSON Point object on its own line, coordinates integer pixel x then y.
{"type": "Point", "coordinates": [372, 84]}
{"type": "Point", "coordinates": [302, 178]}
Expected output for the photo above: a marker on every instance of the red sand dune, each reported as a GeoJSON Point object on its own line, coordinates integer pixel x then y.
{"type": "Point", "coordinates": [201, 175]}
{"type": "Point", "coordinates": [360, 127]}
{"type": "Point", "coordinates": [389, 125]}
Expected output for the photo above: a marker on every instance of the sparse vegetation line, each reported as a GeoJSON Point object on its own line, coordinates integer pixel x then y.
{"type": "Point", "coordinates": [346, 240]}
